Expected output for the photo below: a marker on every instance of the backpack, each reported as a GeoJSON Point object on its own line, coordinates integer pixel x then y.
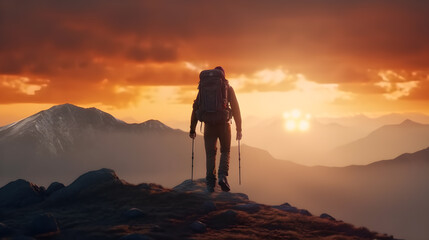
{"type": "Point", "coordinates": [213, 105]}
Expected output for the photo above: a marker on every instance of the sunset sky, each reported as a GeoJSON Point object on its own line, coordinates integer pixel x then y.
{"type": "Point", "coordinates": [141, 59]}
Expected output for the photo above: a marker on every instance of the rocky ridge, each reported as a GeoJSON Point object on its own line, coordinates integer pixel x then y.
{"type": "Point", "coordinates": [99, 205]}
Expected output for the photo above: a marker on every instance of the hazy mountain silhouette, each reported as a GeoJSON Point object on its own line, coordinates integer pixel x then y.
{"type": "Point", "coordinates": [99, 205]}
{"type": "Point", "coordinates": [76, 139]}
{"type": "Point", "coordinates": [389, 196]}
{"type": "Point", "coordinates": [272, 136]}
{"type": "Point", "coordinates": [324, 136]}
{"type": "Point", "coordinates": [368, 124]}
{"type": "Point", "coordinates": [386, 142]}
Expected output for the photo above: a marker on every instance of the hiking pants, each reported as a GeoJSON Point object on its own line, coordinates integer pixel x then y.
{"type": "Point", "coordinates": [211, 134]}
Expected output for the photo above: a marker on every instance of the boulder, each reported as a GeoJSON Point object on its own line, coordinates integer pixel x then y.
{"type": "Point", "coordinates": [198, 185]}
{"type": "Point", "coordinates": [20, 193]}
{"type": "Point", "coordinates": [44, 223]}
{"type": "Point", "coordinates": [209, 206]}
{"type": "Point", "coordinates": [134, 213]}
{"type": "Point", "coordinates": [327, 216]}
{"type": "Point", "coordinates": [287, 208]}
{"type": "Point", "coordinates": [55, 186]}
{"type": "Point", "coordinates": [86, 182]}
{"type": "Point", "coordinates": [198, 227]}
{"type": "Point", "coordinates": [305, 212]}
{"type": "Point", "coordinates": [223, 219]}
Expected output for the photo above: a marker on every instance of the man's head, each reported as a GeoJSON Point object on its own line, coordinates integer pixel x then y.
{"type": "Point", "coordinates": [221, 68]}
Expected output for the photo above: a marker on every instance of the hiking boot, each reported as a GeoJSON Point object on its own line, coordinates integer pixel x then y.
{"type": "Point", "coordinates": [210, 188]}
{"type": "Point", "coordinates": [223, 183]}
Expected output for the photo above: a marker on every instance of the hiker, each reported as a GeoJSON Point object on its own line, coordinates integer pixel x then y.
{"type": "Point", "coordinates": [215, 105]}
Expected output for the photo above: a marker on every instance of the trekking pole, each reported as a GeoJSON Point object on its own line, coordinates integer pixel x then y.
{"type": "Point", "coordinates": [239, 163]}
{"type": "Point", "coordinates": [192, 171]}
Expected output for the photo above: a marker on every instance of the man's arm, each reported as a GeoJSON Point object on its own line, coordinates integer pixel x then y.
{"type": "Point", "coordinates": [235, 111]}
{"type": "Point", "coordinates": [194, 119]}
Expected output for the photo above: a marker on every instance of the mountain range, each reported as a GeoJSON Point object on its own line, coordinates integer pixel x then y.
{"type": "Point", "coordinates": [272, 136]}
{"type": "Point", "coordinates": [60, 143]}
{"type": "Point", "coordinates": [78, 139]}
{"type": "Point", "coordinates": [356, 140]}
{"type": "Point", "coordinates": [385, 142]}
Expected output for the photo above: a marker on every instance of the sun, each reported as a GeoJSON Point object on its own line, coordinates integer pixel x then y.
{"type": "Point", "coordinates": [296, 121]}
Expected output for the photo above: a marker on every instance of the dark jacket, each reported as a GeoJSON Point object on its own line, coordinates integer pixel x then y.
{"type": "Point", "coordinates": [235, 108]}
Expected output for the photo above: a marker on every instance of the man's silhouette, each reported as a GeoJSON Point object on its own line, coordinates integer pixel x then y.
{"type": "Point", "coordinates": [220, 128]}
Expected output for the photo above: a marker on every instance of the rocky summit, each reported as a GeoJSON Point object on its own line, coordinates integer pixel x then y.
{"type": "Point", "coordinates": [98, 205]}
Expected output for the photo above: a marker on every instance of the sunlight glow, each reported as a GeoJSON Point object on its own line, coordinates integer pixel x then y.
{"type": "Point", "coordinates": [290, 125]}
{"type": "Point", "coordinates": [304, 125]}
{"type": "Point", "coordinates": [296, 121]}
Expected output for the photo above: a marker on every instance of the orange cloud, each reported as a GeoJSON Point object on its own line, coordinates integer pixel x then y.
{"type": "Point", "coordinates": [76, 45]}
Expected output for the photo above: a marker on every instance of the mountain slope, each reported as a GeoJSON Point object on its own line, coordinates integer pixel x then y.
{"type": "Point", "coordinates": [390, 196]}
{"type": "Point", "coordinates": [98, 205]}
{"type": "Point", "coordinates": [76, 139]}
{"type": "Point", "coordinates": [384, 143]}
{"type": "Point", "coordinates": [58, 127]}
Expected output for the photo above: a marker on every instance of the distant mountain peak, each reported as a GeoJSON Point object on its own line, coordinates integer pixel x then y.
{"type": "Point", "coordinates": [62, 108]}
{"type": "Point", "coordinates": [60, 126]}
{"type": "Point", "coordinates": [65, 105]}
{"type": "Point", "coordinates": [154, 124]}
{"type": "Point", "coordinates": [71, 111]}
{"type": "Point", "coordinates": [407, 123]}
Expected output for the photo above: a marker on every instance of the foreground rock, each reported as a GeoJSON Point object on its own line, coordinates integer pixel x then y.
{"type": "Point", "coordinates": [196, 186]}
{"type": "Point", "coordinates": [288, 208]}
{"type": "Point", "coordinates": [55, 186]}
{"type": "Point", "coordinates": [98, 205]}
{"type": "Point", "coordinates": [209, 206]}
{"type": "Point", "coordinates": [198, 227]}
{"type": "Point", "coordinates": [199, 186]}
{"type": "Point", "coordinates": [43, 224]}
{"type": "Point", "coordinates": [87, 182]}
{"type": "Point", "coordinates": [223, 219]}
{"type": "Point", "coordinates": [20, 193]}
{"type": "Point", "coordinates": [134, 213]}
{"type": "Point", "coordinates": [327, 216]}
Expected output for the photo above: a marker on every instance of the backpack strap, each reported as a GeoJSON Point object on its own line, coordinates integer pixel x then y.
{"type": "Point", "coordinates": [225, 92]}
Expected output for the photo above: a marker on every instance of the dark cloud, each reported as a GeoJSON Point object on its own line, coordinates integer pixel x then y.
{"type": "Point", "coordinates": [162, 75]}
{"type": "Point", "coordinates": [60, 92]}
{"type": "Point", "coordinates": [157, 53]}
{"type": "Point", "coordinates": [75, 43]}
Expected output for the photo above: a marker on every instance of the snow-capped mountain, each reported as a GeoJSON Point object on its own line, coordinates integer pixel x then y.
{"type": "Point", "coordinates": [73, 139]}
{"type": "Point", "coordinates": [60, 126]}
